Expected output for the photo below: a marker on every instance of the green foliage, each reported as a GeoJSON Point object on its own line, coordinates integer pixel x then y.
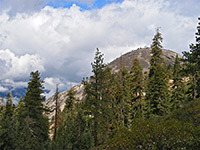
{"type": "Point", "coordinates": [97, 105]}
{"type": "Point", "coordinates": [33, 98]}
{"type": "Point", "coordinates": [74, 132]}
{"type": "Point", "coordinates": [8, 126]}
{"type": "Point", "coordinates": [136, 89]}
{"type": "Point", "coordinates": [33, 125]}
{"type": "Point", "coordinates": [192, 65]}
{"type": "Point", "coordinates": [156, 51]}
{"type": "Point", "coordinates": [147, 134]}
{"type": "Point", "coordinates": [2, 108]}
{"type": "Point", "coordinates": [157, 95]}
{"type": "Point", "coordinates": [128, 95]}
{"type": "Point", "coordinates": [70, 100]}
{"type": "Point", "coordinates": [188, 113]}
{"type": "Point", "coordinates": [178, 89]}
{"type": "Point", "coordinates": [122, 97]}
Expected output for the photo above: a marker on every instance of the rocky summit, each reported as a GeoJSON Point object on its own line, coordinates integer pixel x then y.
{"type": "Point", "coordinates": [142, 54]}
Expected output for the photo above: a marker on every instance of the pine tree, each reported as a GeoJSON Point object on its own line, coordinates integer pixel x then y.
{"type": "Point", "coordinates": [136, 89]}
{"type": "Point", "coordinates": [192, 65]}
{"type": "Point", "coordinates": [33, 125]}
{"type": "Point", "coordinates": [74, 131]}
{"type": "Point", "coordinates": [69, 102]}
{"type": "Point", "coordinates": [2, 108]}
{"type": "Point", "coordinates": [157, 86]}
{"type": "Point", "coordinates": [178, 87]}
{"type": "Point", "coordinates": [122, 96]}
{"type": "Point", "coordinates": [8, 126]}
{"type": "Point", "coordinates": [19, 107]}
{"type": "Point", "coordinates": [96, 101]}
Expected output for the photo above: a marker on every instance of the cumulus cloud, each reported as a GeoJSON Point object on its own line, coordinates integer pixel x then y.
{"type": "Point", "coordinates": [18, 67]}
{"type": "Point", "coordinates": [51, 83]}
{"type": "Point", "coordinates": [61, 42]}
{"type": "Point", "coordinates": [20, 6]}
{"type": "Point", "coordinates": [14, 84]}
{"type": "Point", "coordinates": [12, 7]}
{"type": "Point", "coordinates": [3, 89]}
{"type": "Point", "coordinates": [186, 8]}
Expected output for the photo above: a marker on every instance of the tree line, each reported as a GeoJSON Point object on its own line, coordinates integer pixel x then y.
{"type": "Point", "coordinates": [125, 110]}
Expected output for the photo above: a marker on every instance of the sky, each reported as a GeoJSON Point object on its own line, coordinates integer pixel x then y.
{"type": "Point", "coordinates": [59, 37]}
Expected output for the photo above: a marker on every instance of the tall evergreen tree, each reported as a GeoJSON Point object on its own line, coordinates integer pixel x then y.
{"type": "Point", "coordinates": [69, 102]}
{"type": "Point", "coordinates": [2, 107]}
{"type": "Point", "coordinates": [8, 126]}
{"type": "Point", "coordinates": [73, 129]}
{"type": "Point", "coordinates": [192, 65]}
{"type": "Point", "coordinates": [178, 86]}
{"type": "Point", "coordinates": [122, 96]}
{"type": "Point", "coordinates": [33, 125]}
{"type": "Point", "coordinates": [96, 101]}
{"type": "Point", "coordinates": [136, 89]}
{"type": "Point", "coordinates": [157, 86]}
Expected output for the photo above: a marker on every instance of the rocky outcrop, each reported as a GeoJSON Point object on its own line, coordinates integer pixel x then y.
{"type": "Point", "coordinates": [144, 56]}
{"type": "Point", "coordinates": [50, 103]}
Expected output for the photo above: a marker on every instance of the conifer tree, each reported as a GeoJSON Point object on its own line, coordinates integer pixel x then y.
{"type": "Point", "coordinates": [117, 102]}
{"type": "Point", "coordinates": [136, 89]}
{"type": "Point", "coordinates": [122, 96]}
{"type": "Point", "coordinates": [125, 96]}
{"type": "Point", "coordinates": [69, 102]}
{"type": "Point", "coordinates": [2, 107]}
{"type": "Point", "coordinates": [73, 133]}
{"type": "Point", "coordinates": [178, 87]}
{"type": "Point", "coordinates": [73, 128]}
{"type": "Point", "coordinates": [33, 125]}
{"type": "Point", "coordinates": [192, 65]}
{"type": "Point", "coordinates": [157, 86]}
{"type": "Point", "coordinates": [19, 107]}
{"type": "Point", "coordinates": [8, 126]}
{"type": "Point", "coordinates": [96, 102]}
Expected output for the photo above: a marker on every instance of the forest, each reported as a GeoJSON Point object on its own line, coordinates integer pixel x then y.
{"type": "Point", "coordinates": [158, 110]}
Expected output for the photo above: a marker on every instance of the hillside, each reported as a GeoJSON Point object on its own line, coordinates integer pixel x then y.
{"type": "Point", "coordinates": [143, 54]}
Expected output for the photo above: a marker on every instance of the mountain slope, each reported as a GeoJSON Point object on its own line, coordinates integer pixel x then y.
{"type": "Point", "coordinates": [143, 55]}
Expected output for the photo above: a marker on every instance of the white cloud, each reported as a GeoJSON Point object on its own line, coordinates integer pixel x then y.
{"type": "Point", "coordinates": [3, 89]}
{"type": "Point", "coordinates": [12, 7]}
{"type": "Point", "coordinates": [51, 83]}
{"type": "Point", "coordinates": [18, 67]}
{"type": "Point", "coordinates": [14, 84]}
{"type": "Point", "coordinates": [61, 42]}
{"type": "Point", "coordinates": [20, 6]}
{"type": "Point", "coordinates": [185, 7]}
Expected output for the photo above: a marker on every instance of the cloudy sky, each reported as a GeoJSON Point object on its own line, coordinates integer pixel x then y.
{"type": "Point", "coordinates": [59, 37]}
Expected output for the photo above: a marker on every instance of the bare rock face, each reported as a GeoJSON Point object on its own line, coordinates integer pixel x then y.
{"type": "Point", "coordinates": [50, 103]}
{"type": "Point", "coordinates": [143, 55]}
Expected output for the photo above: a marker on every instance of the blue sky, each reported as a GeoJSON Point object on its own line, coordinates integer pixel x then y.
{"type": "Point", "coordinates": [84, 6]}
